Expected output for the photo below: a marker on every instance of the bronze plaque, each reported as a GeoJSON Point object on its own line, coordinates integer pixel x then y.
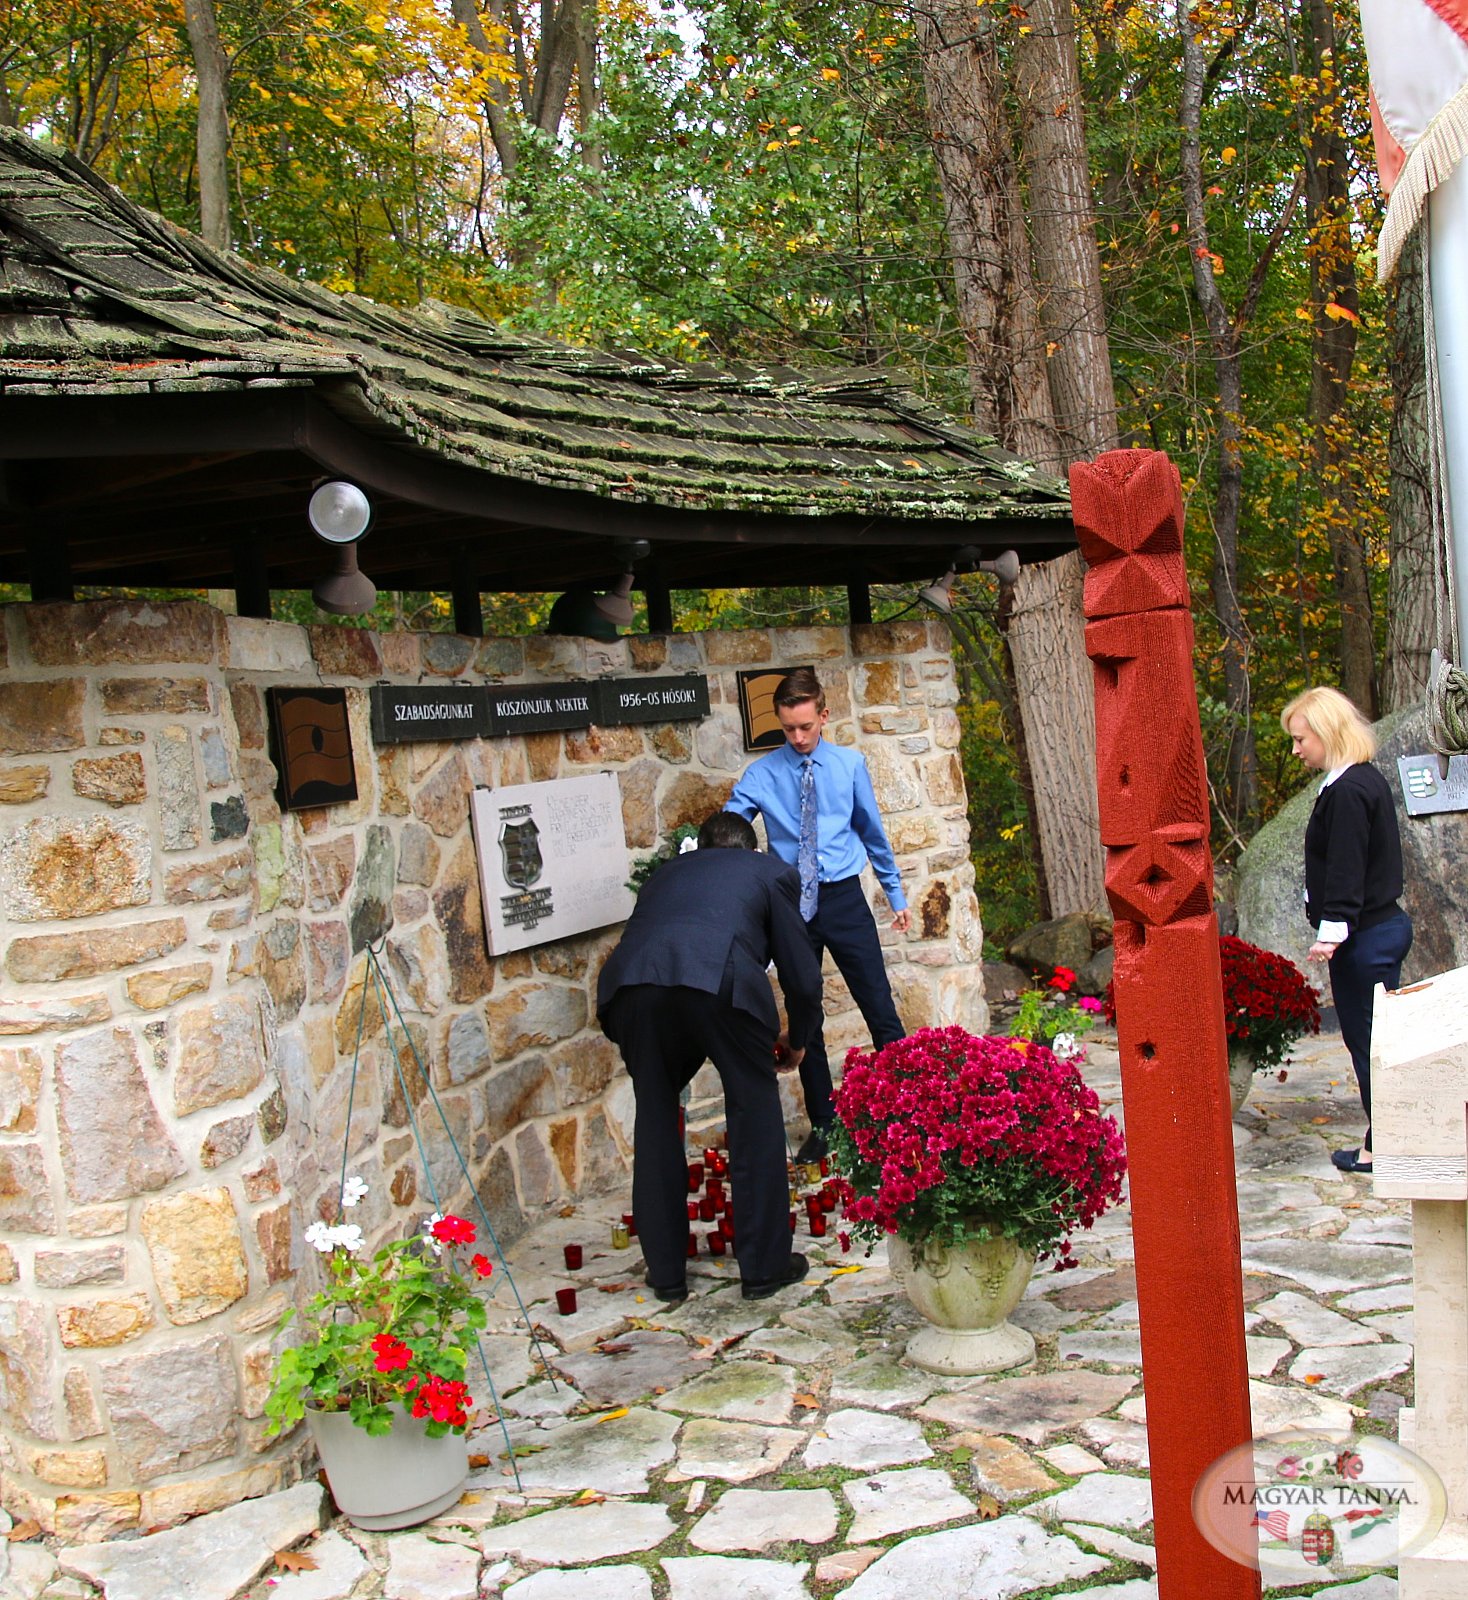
{"type": "Point", "coordinates": [762, 730]}
{"type": "Point", "coordinates": [313, 747]}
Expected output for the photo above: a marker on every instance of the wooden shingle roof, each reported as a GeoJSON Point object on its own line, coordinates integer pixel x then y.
{"type": "Point", "coordinates": [163, 404]}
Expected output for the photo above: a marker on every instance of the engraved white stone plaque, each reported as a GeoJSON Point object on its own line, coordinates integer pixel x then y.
{"type": "Point", "coordinates": [552, 860]}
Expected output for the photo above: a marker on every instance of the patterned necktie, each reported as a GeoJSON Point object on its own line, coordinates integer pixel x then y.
{"type": "Point", "coordinates": [805, 860]}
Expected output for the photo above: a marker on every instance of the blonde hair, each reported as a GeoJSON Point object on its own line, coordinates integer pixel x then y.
{"type": "Point", "coordinates": [1335, 721]}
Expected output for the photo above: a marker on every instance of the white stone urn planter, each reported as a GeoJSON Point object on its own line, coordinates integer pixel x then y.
{"type": "Point", "coordinates": [390, 1480]}
{"type": "Point", "coordinates": [966, 1292]}
{"type": "Point", "coordinates": [1240, 1076]}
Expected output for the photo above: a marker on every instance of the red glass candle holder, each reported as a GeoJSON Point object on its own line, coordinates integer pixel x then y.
{"type": "Point", "coordinates": [695, 1176]}
{"type": "Point", "coordinates": [825, 1166]}
{"type": "Point", "coordinates": [693, 1210]}
{"type": "Point", "coordinates": [792, 1222]}
{"type": "Point", "coordinates": [572, 1253]}
{"type": "Point", "coordinates": [818, 1225]}
{"type": "Point", "coordinates": [716, 1244]}
{"type": "Point", "coordinates": [630, 1223]}
{"type": "Point", "coordinates": [566, 1302]}
{"type": "Point", "coordinates": [707, 1209]}
{"type": "Point", "coordinates": [692, 1245]}
{"type": "Point", "coordinates": [828, 1202]}
{"type": "Point", "coordinates": [845, 1241]}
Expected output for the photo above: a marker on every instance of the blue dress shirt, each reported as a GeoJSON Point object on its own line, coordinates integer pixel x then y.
{"type": "Point", "coordinates": [849, 826]}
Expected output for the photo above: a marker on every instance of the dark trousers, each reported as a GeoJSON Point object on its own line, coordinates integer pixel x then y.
{"type": "Point", "coordinates": [843, 925]}
{"type": "Point", "coordinates": [665, 1034]}
{"type": "Point", "coordinates": [1370, 956]}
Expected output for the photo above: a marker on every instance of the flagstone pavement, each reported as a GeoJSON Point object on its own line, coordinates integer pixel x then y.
{"type": "Point", "coordinates": [783, 1450]}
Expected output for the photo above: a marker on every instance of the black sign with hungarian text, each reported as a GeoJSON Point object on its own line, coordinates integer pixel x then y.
{"type": "Point", "coordinates": [428, 711]}
{"type": "Point", "coordinates": [478, 711]}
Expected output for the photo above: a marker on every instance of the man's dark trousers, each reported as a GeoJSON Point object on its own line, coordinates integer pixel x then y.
{"type": "Point", "coordinates": [665, 1033]}
{"type": "Point", "coordinates": [843, 925]}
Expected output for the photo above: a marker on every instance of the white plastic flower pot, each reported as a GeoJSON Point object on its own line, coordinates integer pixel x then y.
{"type": "Point", "coordinates": [391, 1480]}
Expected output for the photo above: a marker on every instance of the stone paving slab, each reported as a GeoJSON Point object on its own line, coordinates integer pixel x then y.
{"type": "Point", "coordinates": [599, 1583]}
{"type": "Point", "coordinates": [1328, 1271]}
{"type": "Point", "coordinates": [574, 1536]}
{"type": "Point", "coordinates": [1344, 1369]}
{"type": "Point", "coordinates": [1031, 1407]}
{"type": "Point", "coordinates": [339, 1567]}
{"type": "Point", "coordinates": [1114, 1500]}
{"type": "Point", "coordinates": [1307, 1322]}
{"type": "Point", "coordinates": [754, 1519]}
{"type": "Point", "coordinates": [997, 1560]}
{"type": "Point", "coordinates": [882, 1383]}
{"type": "Point", "coordinates": [786, 1344]}
{"type": "Point", "coordinates": [1111, 1543]}
{"type": "Point", "coordinates": [866, 1439]}
{"type": "Point", "coordinates": [734, 1451]}
{"type": "Point", "coordinates": [738, 1391]}
{"type": "Point", "coordinates": [898, 1502]}
{"type": "Point", "coordinates": [630, 1366]}
{"type": "Point", "coordinates": [613, 1457]}
{"type": "Point", "coordinates": [213, 1557]}
{"type": "Point", "coordinates": [733, 1578]}
{"type": "Point", "coordinates": [420, 1568]}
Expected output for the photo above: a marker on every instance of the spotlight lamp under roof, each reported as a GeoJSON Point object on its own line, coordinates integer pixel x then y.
{"type": "Point", "coordinates": [340, 513]}
{"type": "Point", "coordinates": [939, 593]}
{"type": "Point", "coordinates": [616, 604]}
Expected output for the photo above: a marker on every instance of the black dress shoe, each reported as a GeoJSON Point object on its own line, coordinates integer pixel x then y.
{"type": "Point", "coordinates": [1351, 1161]}
{"type": "Point", "coordinates": [672, 1295]}
{"type": "Point", "coordinates": [815, 1143]}
{"type": "Point", "coordinates": [795, 1269]}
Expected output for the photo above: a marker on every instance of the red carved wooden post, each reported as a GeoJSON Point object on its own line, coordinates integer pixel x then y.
{"type": "Point", "coordinates": [1169, 999]}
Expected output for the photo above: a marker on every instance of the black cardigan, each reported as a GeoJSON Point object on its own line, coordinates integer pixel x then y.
{"type": "Point", "coordinates": [1353, 852]}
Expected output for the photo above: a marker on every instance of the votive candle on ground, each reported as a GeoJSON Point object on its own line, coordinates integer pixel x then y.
{"type": "Point", "coordinates": [630, 1223]}
{"type": "Point", "coordinates": [693, 1210]}
{"type": "Point", "coordinates": [695, 1176]}
{"type": "Point", "coordinates": [818, 1224]}
{"type": "Point", "coordinates": [566, 1302]}
{"type": "Point", "coordinates": [707, 1209]}
{"type": "Point", "coordinates": [572, 1253]}
{"type": "Point", "coordinates": [692, 1245]}
{"type": "Point", "coordinates": [621, 1237]}
{"type": "Point", "coordinates": [716, 1244]}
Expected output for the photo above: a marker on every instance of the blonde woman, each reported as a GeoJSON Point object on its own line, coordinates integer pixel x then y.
{"type": "Point", "coordinates": [1353, 875]}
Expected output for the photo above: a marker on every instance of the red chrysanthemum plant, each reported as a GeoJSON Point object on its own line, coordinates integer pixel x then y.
{"type": "Point", "coordinates": [1267, 1003]}
{"type": "Point", "coordinates": [948, 1136]}
{"type": "Point", "coordinates": [395, 1327]}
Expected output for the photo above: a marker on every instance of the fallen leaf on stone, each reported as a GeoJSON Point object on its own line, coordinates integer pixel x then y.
{"type": "Point", "coordinates": [294, 1561]}
{"type": "Point", "coordinates": [989, 1508]}
{"type": "Point", "coordinates": [1319, 1122]}
{"type": "Point", "coordinates": [613, 1348]}
{"type": "Point", "coordinates": [1282, 1075]}
{"type": "Point", "coordinates": [962, 1455]}
{"type": "Point", "coordinates": [24, 1530]}
{"type": "Point", "coordinates": [1314, 1377]}
{"type": "Point", "coordinates": [589, 1497]}
{"type": "Point", "coordinates": [616, 1288]}
{"type": "Point", "coordinates": [837, 1272]}
{"type": "Point", "coordinates": [566, 1211]}
{"type": "Point", "coordinates": [807, 1402]}
{"type": "Point", "coordinates": [478, 1461]}
{"type": "Point", "coordinates": [611, 1416]}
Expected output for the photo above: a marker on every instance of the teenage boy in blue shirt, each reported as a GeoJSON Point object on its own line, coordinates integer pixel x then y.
{"type": "Point", "coordinates": [821, 816]}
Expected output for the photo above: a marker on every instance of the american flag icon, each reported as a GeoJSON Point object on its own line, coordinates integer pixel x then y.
{"type": "Point", "coordinates": [1275, 1523]}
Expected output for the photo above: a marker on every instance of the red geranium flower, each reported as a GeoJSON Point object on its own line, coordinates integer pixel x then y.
{"type": "Point", "coordinates": [453, 1230]}
{"type": "Point", "coordinates": [482, 1265]}
{"type": "Point", "coordinates": [392, 1354]}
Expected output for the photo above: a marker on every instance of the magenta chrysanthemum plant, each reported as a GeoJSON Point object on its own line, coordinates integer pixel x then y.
{"type": "Point", "coordinates": [949, 1136]}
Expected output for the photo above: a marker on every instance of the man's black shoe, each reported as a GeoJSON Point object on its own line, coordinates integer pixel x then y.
{"type": "Point", "coordinates": [815, 1145]}
{"type": "Point", "coordinates": [795, 1269]}
{"type": "Point", "coordinates": [672, 1295]}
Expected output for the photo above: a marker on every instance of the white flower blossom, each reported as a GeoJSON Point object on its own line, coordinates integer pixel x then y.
{"type": "Point", "coordinates": [1066, 1046]}
{"type": "Point", "coordinates": [319, 1236]}
{"type": "Point", "coordinates": [353, 1190]}
{"type": "Point", "coordinates": [325, 1238]}
{"type": "Point", "coordinates": [690, 843]}
{"type": "Point", "coordinates": [432, 1243]}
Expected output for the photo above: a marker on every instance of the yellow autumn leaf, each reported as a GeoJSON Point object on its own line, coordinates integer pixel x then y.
{"type": "Point", "coordinates": [1341, 314]}
{"type": "Point", "coordinates": [611, 1416]}
{"type": "Point", "coordinates": [1227, 154]}
{"type": "Point", "coordinates": [830, 74]}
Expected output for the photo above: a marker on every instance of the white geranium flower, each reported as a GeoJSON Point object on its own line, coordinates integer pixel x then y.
{"type": "Point", "coordinates": [319, 1236]}
{"type": "Point", "coordinates": [348, 1235]}
{"type": "Point", "coordinates": [1066, 1046]}
{"type": "Point", "coordinates": [432, 1243]}
{"type": "Point", "coordinates": [690, 843]}
{"type": "Point", "coordinates": [353, 1190]}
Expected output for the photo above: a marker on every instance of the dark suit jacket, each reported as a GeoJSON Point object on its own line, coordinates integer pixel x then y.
{"type": "Point", "coordinates": [713, 912]}
{"type": "Point", "coordinates": [1353, 851]}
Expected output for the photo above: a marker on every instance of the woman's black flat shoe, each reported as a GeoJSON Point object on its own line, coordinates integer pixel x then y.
{"type": "Point", "coordinates": [1350, 1161]}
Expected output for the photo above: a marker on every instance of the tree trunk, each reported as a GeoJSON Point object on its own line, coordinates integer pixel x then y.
{"type": "Point", "coordinates": [1057, 709]}
{"type": "Point", "coordinates": [1412, 615]}
{"type": "Point", "coordinates": [211, 72]}
{"type": "Point", "coordinates": [1332, 256]}
{"type": "Point", "coordinates": [498, 104]}
{"type": "Point", "coordinates": [973, 147]}
{"type": "Point", "coordinates": [1240, 760]}
{"type": "Point", "coordinates": [1047, 635]}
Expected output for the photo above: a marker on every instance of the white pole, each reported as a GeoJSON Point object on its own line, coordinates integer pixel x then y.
{"type": "Point", "coordinates": [1448, 232]}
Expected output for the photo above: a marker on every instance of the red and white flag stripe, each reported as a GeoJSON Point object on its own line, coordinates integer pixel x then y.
{"type": "Point", "coordinates": [1417, 52]}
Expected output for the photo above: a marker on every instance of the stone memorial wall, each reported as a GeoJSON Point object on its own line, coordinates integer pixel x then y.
{"type": "Point", "coordinates": [182, 971]}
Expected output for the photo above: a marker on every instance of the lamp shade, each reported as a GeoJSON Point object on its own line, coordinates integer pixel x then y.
{"type": "Point", "coordinates": [615, 605]}
{"type": "Point", "coordinates": [938, 594]}
{"type": "Point", "coordinates": [346, 591]}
